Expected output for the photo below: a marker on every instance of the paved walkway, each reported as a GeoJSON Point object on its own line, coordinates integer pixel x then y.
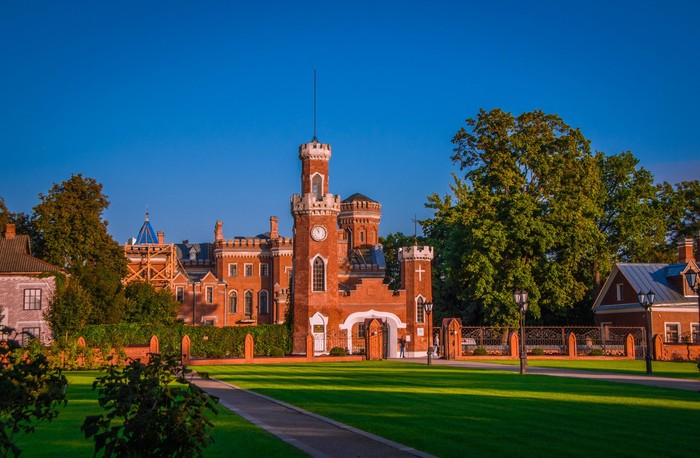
{"type": "Point", "coordinates": [663, 382]}
{"type": "Point", "coordinates": [322, 437]}
{"type": "Point", "coordinates": [318, 436]}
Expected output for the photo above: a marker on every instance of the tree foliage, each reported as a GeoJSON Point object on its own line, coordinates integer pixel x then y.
{"type": "Point", "coordinates": [146, 305]}
{"type": "Point", "coordinates": [30, 390]}
{"type": "Point", "coordinates": [151, 410]}
{"type": "Point", "coordinates": [535, 209]}
{"type": "Point", "coordinates": [390, 245]}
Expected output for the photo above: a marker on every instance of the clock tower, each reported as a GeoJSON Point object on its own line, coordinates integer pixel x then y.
{"type": "Point", "coordinates": [315, 260]}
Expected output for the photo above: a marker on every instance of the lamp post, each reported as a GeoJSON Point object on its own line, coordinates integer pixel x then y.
{"type": "Point", "coordinates": [428, 307]}
{"type": "Point", "coordinates": [646, 301]}
{"type": "Point", "coordinates": [692, 277]}
{"type": "Point", "coordinates": [520, 298]}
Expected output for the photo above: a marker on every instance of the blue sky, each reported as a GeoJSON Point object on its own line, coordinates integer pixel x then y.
{"type": "Point", "coordinates": [196, 109]}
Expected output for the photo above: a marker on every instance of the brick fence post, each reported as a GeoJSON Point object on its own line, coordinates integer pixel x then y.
{"type": "Point", "coordinates": [248, 352]}
{"type": "Point", "coordinates": [514, 344]}
{"type": "Point", "coordinates": [309, 347]}
{"type": "Point", "coordinates": [153, 345]}
{"type": "Point", "coordinates": [81, 351]}
{"type": "Point", "coordinates": [185, 349]}
{"type": "Point", "coordinates": [630, 351]}
{"type": "Point", "coordinates": [572, 348]}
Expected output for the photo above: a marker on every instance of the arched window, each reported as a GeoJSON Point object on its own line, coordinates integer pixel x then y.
{"type": "Point", "coordinates": [362, 236]}
{"type": "Point", "coordinates": [263, 307]}
{"type": "Point", "coordinates": [318, 281]}
{"type": "Point", "coordinates": [317, 186]}
{"type": "Point", "coordinates": [248, 304]}
{"type": "Point", "coordinates": [233, 302]}
{"type": "Point", "coordinates": [420, 312]}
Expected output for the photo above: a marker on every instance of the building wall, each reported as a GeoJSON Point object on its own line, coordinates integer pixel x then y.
{"type": "Point", "coordinates": [12, 293]}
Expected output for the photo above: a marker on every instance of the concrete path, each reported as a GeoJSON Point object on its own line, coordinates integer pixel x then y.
{"type": "Point", "coordinates": [663, 382]}
{"type": "Point", "coordinates": [318, 436]}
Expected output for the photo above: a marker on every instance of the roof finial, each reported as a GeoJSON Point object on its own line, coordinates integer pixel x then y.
{"type": "Point", "coordinates": [415, 230]}
{"type": "Point", "coordinates": [146, 212]}
{"type": "Point", "coordinates": [314, 139]}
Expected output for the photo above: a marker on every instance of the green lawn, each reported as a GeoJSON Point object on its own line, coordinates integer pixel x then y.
{"type": "Point", "coordinates": [62, 437]}
{"type": "Point", "coordinates": [451, 411]}
{"type": "Point", "coordinates": [672, 369]}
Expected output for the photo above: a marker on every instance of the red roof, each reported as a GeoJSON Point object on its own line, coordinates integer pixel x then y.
{"type": "Point", "coordinates": [16, 257]}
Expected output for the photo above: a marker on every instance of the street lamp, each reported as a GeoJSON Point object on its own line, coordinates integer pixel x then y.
{"type": "Point", "coordinates": [520, 298]}
{"type": "Point", "coordinates": [692, 278]}
{"type": "Point", "coordinates": [646, 301]}
{"type": "Point", "coordinates": [428, 307]}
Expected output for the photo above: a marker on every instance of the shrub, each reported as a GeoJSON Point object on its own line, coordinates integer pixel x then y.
{"type": "Point", "coordinates": [277, 352]}
{"type": "Point", "coordinates": [480, 351]}
{"type": "Point", "coordinates": [338, 351]}
{"type": "Point", "coordinates": [152, 415]}
{"type": "Point", "coordinates": [537, 351]}
{"type": "Point", "coordinates": [596, 352]}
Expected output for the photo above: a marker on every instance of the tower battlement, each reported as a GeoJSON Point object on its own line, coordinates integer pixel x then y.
{"type": "Point", "coordinates": [416, 253]}
{"type": "Point", "coordinates": [314, 150]}
{"type": "Point", "coordinates": [308, 204]}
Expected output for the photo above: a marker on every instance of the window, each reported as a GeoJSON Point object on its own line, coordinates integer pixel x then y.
{"type": "Point", "coordinates": [695, 332]}
{"type": "Point", "coordinates": [208, 322]}
{"type": "Point", "coordinates": [233, 302]}
{"type": "Point", "coordinates": [248, 270]}
{"type": "Point", "coordinates": [319, 275]}
{"type": "Point", "coordinates": [263, 307]}
{"type": "Point", "coordinates": [420, 312]}
{"type": "Point", "coordinates": [32, 299]}
{"type": "Point", "coordinates": [362, 236]}
{"type": "Point", "coordinates": [619, 289]}
{"type": "Point", "coordinates": [210, 294]}
{"type": "Point", "coordinates": [248, 304]}
{"type": "Point", "coordinates": [264, 270]}
{"type": "Point", "coordinates": [317, 186]}
{"type": "Point", "coordinates": [180, 293]}
{"type": "Point", "coordinates": [233, 270]}
{"type": "Point", "coordinates": [361, 330]}
{"type": "Point", "coordinates": [29, 334]}
{"type": "Point", "coordinates": [673, 332]}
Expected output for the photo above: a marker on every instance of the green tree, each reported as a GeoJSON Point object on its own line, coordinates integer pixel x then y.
{"type": "Point", "coordinates": [24, 224]}
{"type": "Point", "coordinates": [390, 245]}
{"type": "Point", "coordinates": [523, 216]}
{"type": "Point", "coordinates": [73, 235]}
{"type": "Point", "coordinates": [680, 204]}
{"type": "Point", "coordinates": [30, 390]}
{"type": "Point", "coordinates": [70, 309]}
{"type": "Point", "coordinates": [146, 305]}
{"type": "Point", "coordinates": [156, 411]}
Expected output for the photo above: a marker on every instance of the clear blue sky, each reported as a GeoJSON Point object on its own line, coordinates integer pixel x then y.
{"type": "Point", "coordinates": [196, 109]}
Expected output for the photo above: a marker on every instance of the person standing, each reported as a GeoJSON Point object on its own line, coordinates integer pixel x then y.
{"type": "Point", "coordinates": [402, 344]}
{"type": "Point", "coordinates": [436, 343]}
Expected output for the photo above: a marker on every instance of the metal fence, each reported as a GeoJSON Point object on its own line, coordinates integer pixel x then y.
{"type": "Point", "coordinates": [553, 340]}
{"type": "Point", "coordinates": [323, 343]}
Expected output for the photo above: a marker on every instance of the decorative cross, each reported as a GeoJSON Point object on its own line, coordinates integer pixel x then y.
{"type": "Point", "coordinates": [420, 271]}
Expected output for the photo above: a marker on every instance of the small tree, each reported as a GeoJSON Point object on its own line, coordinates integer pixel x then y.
{"type": "Point", "coordinates": [156, 410]}
{"type": "Point", "coordinates": [30, 390]}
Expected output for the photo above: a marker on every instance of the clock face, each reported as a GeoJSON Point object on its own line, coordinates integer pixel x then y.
{"type": "Point", "coordinates": [318, 233]}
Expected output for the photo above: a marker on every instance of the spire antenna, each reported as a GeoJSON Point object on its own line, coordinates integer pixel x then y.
{"type": "Point", "coordinates": [315, 139]}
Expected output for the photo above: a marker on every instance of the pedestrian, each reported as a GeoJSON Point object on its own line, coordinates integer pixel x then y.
{"type": "Point", "coordinates": [402, 343]}
{"type": "Point", "coordinates": [436, 342]}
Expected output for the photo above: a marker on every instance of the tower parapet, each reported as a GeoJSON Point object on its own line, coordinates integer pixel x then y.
{"type": "Point", "coordinates": [315, 150]}
{"type": "Point", "coordinates": [416, 253]}
{"type": "Point", "coordinates": [308, 204]}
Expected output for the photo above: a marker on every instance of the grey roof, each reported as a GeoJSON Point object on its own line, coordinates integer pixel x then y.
{"type": "Point", "coordinates": [654, 277]}
{"type": "Point", "coordinates": [358, 197]}
{"type": "Point", "coordinates": [16, 257]}
{"type": "Point", "coordinates": [202, 250]}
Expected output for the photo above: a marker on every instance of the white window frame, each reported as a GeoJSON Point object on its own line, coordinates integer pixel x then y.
{"type": "Point", "coordinates": [695, 332]}
{"type": "Point", "coordinates": [313, 274]}
{"type": "Point", "coordinates": [420, 311]}
{"type": "Point", "coordinates": [209, 294]}
{"type": "Point", "coordinates": [319, 195]}
{"type": "Point", "coordinates": [233, 269]}
{"type": "Point", "coordinates": [620, 291]}
{"type": "Point", "coordinates": [29, 329]}
{"type": "Point", "coordinates": [248, 294]}
{"type": "Point", "coordinates": [247, 270]}
{"type": "Point", "coordinates": [678, 331]}
{"type": "Point", "coordinates": [264, 269]}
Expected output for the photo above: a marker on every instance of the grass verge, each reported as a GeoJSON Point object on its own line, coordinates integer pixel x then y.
{"type": "Point", "coordinates": [62, 437]}
{"type": "Point", "coordinates": [451, 411]}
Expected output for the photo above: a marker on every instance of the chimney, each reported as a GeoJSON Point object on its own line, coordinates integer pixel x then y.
{"type": "Point", "coordinates": [218, 231]}
{"type": "Point", "coordinates": [10, 231]}
{"type": "Point", "coordinates": [274, 231]}
{"type": "Point", "coordinates": [161, 238]}
{"type": "Point", "coordinates": [685, 251]}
